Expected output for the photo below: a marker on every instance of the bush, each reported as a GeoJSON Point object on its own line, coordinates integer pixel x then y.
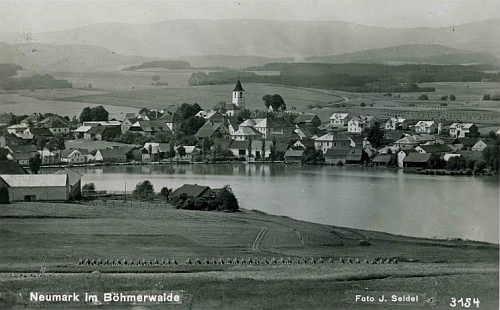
{"type": "Point", "coordinates": [423, 97]}
{"type": "Point", "coordinates": [144, 189]}
{"type": "Point", "coordinates": [88, 188]}
{"type": "Point", "coordinates": [225, 199]}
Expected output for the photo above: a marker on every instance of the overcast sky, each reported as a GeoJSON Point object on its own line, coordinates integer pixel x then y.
{"type": "Point", "coordinates": [41, 15]}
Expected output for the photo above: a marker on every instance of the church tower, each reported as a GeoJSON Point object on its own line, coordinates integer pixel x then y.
{"type": "Point", "coordinates": [238, 97]}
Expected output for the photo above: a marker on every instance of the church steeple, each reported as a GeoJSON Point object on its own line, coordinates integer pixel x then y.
{"type": "Point", "coordinates": [238, 97]}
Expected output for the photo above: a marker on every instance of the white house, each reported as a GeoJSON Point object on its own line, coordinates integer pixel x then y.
{"type": "Point", "coordinates": [428, 127]}
{"type": "Point", "coordinates": [329, 141]}
{"type": "Point", "coordinates": [359, 123]}
{"type": "Point", "coordinates": [72, 157]}
{"type": "Point", "coordinates": [396, 123]}
{"type": "Point", "coordinates": [462, 130]}
{"type": "Point", "coordinates": [339, 119]}
{"type": "Point", "coordinates": [481, 145]}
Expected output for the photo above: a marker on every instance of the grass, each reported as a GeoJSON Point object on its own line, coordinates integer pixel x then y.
{"type": "Point", "coordinates": [208, 96]}
{"type": "Point", "coordinates": [66, 233]}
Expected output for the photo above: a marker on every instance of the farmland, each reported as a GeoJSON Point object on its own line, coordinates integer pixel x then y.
{"type": "Point", "coordinates": [69, 233]}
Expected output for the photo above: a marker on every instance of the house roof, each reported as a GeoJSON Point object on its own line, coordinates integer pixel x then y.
{"type": "Point", "coordinates": [304, 118]}
{"type": "Point", "coordinates": [354, 154]}
{"type": "Point", "coordinates": [339, 116]}
{"type": "Point", "coordinates": [45, 132]}
{"type": "Point", "coordinates": [436, 148]}
{"type": "Point", "coordinates": [381, 159]}
{"type": "Point", "coordinates": [470, 154]}
{"type": "Point", "coordinates": [330, 137]}
{"type": "Point", "coordinates": [171, 118]}
{"type": "Point", "coordinates": [22, 148]}
{"type": "Point", "coordinates": [191, 190]}
{"type": "Point", "coordinates": [73, 176]}
{"type": "Point", "coordinates": [238, 86]}
{"type": "Point", "coordinates": [417, 157]}
{"type": "Point", "coordinates": [35, 180]}
{"type": "Point", "coordinates": [208, 130]}
{"type": "Point", "coordinates": [11, 167]}
{"type": "Point", "coordinates": [247, 131]}
{"type": "Point", "coordinates": [21, 155]}
{"type": "Point", "coordinates": [67, 153]}
{"type": "Point", "coordinates": [425, 123]}
{"type": "Point", "coordinates": [336, 152]}
{"type": "Point", "coordinates": [461, 125]}
{"type": "Point", "coordinates": [112, 153]}
{"type": "Point", "coordinates": [239, 144]}
{"type": "Point", "coordinates": [96, 130]}
{"type": "Point", "coordinates": [54, 121]}
{"type": "Point", "coordinates": [248, 123]}
{"type": "Point", "coordinates": [467, 142]}
{"type": "Point", "coordinates": [294, 153]}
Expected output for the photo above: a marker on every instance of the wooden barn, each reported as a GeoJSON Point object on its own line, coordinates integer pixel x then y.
{"type": "Point", "coordinates": [36, 187]}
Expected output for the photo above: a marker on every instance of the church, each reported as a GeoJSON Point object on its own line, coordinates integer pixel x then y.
{"type": "Point", "coordinates": [238, 101]}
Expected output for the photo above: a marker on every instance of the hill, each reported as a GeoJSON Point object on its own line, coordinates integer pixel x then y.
{"type": "Point", "coordinates": [264, 38]}
{"type": "Point", "coordinates": [411, 53]}
{"type": "Point", "coordinates": [228, 61]}
{"type": "Point", "coordinates": [38, 57]}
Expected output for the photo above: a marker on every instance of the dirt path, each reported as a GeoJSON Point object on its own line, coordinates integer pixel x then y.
{"type": "Point", "coordinates": [258, 239]}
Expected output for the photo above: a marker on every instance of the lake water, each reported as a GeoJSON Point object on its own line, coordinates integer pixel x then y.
{"type": "Point", "coordinates": [365, 198]}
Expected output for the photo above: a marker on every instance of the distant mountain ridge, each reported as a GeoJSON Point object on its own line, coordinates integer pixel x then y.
{"type": "Point", "coordinates": [230, 61]}
{"type": "Point", "coordinates": [411, 53]}
{"type": "Point", "coordinates": [263, 38]}
{"type": "Point", "coordinates": [78, 58]}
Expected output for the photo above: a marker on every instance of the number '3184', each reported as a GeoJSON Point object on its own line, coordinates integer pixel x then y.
{"type": "Point", "coordinates": [464, 302]}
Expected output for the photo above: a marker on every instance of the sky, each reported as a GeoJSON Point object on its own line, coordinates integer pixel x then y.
{"type": "Point", "coordinates": [42, 15]}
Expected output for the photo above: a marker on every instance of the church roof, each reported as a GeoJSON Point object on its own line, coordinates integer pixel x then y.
{"type": "Point", "coordinates": [238, 87]}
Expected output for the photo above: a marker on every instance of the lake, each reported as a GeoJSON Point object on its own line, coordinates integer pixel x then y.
{"type": "Point", "coordinates": [365, 198]}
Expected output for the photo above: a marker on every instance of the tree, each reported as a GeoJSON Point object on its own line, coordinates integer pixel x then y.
{"type": "Point", "coordinates": [40, 142]}
{"type": "Point", "coordinates": [35, 163]}
{"type": "Point", "coordinates": [275, 101]}
{"type": "Point", "coordinates": [273, 151]}
{"type": "Point", "coordinates": [156, 78]}
{"type": "Point", "coordinates": [181, 151]}
{"type": "Point", "coordinates": [311, 156]}
{"type": "Point", "coordinates": [165, 192]}
{"type": "Point", "coordinates": [187, 110]}
{"type": "Point", "coordinates": [479, 166]}
{"type": "Point", "coordinates": [487, 97]}
{"type": "Point", "coordinates": [144, 189]}
{"type": "Point", "coordinates": [491, 156]}
{"type": "Point", "coordinates": [191, 125]}
{"type": "Point", "coordinates": [444, 98]}
{"type": "Point", "coordinates": [456, 163]}
{"type": "Point", "coordinates": [56, 143]}
{"type": "Point", "coordinates": [226, 200]}
{"type": "Point", "coordinates": [205, 145]}
{"type": "Point", "coordinates": [263, 149]}
{"type": "Point", "coordinates": [375, 135]}
{"type": "Point", "coordinates": [99, 114]}
{"type": "Point", "coordinates": [94, 114]}
{"type": "Point", "coordinates": [362, 104]}
{"type": "Point", "coordinates": [423, 97]}
{"type": "Point", "coordinates": [436, 162]}
{"type": "Point", "coordinates": [452, 97]}
{"type": "Point", "coordinates": [171, 152]}
{"type": "Point", "coordinates": [85, 115]}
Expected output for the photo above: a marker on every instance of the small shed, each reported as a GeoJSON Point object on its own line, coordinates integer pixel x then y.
{"type": "Point", "coordinates": [294, 156]}
{"type": "Point", "coordinates": [416, 160]}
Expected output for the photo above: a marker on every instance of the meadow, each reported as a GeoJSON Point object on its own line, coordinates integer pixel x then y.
{"type": "Point", "coordinates": [65, 234]}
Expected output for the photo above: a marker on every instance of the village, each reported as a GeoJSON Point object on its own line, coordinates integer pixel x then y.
{"type": "Point", "coordinates": [231, 133]}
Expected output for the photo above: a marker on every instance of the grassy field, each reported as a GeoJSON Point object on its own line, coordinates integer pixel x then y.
{"type": "Point", "coordinates": [208, 96]}
{"type": "Point", "coordinates": [65, 234]}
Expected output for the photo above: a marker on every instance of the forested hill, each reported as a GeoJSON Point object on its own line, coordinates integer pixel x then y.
{"type": "Point", "coordinates": [410, 54]}
{"type": "Point", "coordinates": [352, 77]}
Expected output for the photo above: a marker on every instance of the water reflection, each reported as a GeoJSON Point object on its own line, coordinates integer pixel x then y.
{"type": "Point", "coordinates": [377, 199]}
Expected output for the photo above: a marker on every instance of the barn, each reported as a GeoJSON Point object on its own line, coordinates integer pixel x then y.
{"type": "Point", "coordinates": [36, 187]}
